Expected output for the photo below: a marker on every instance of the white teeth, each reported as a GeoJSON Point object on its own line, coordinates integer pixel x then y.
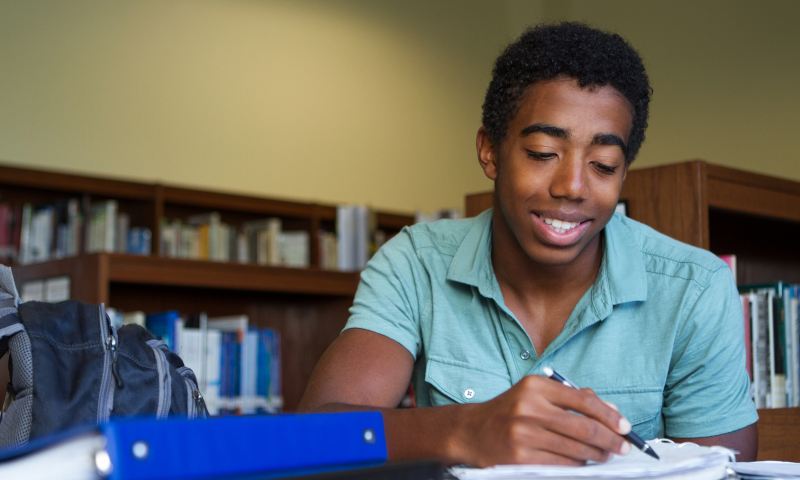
{"type": "Point", "coordinates": [560, 226]}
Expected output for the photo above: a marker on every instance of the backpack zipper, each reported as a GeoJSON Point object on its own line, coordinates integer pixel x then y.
{"type": "Point", "coordinates": [200, 404]}
{"type": "Point", "coordinates": [110, 376]}
{"type": "Point", "coordinates": [164, 378]}
{"type": "Point", "coordinates": [196, 405]}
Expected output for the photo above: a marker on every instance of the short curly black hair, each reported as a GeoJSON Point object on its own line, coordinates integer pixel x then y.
{"type": "Point", "coordinates": [590, 56]}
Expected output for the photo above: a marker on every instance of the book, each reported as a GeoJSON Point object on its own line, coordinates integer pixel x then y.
{"type": "Point", "coordinates": [775, 335]}
{"type": "Point", "coordinates": [730, 260]}
{"type": "Point", "coordinates": [208, 228]}
{"type": "Point", "coordinates": [102, 226]}
{"type": "Point", "coordinates": [139, 239]}
{"type": "Point", "coordinates": [270, 364]}
{"type": "Point", "coordinates": [293, 249]}
{"type": "Point", "coordinates": [253, 446]}
{"type": "Point", "coordinates": [748, 338]}
{"type": "Point", "coordinates": [234, 370]}
{"type": "Point", "coordinates": [164, 325]}
{"type": "Point", "coordinates": [355, 227]}
{"type": "Point", "coordinates": [759, 319]}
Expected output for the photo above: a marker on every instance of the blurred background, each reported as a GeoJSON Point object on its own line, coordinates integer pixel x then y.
{"type": "Point", "coordinates": [373, 102]}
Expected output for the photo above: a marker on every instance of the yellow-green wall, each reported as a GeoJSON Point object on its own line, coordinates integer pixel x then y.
{"type": "Point", "coordinates": [358, 100]}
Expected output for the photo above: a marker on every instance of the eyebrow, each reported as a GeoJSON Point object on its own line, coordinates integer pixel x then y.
{"type": "Point", "coordinates": [550, 130]}
{"type": "Point", "coordinates": [610, 139]}
{"type": "Point", "coordinates": [558, 132]}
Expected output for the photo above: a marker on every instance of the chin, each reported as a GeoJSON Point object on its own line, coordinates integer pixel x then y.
{"type": "Point", "coordinates": [553, 257]}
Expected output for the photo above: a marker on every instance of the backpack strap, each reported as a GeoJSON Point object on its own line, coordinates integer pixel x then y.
{"type": "Point", "coordinates": [9, 300]}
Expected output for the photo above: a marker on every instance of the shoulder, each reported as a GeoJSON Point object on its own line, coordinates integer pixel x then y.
{"type": "Point", "coordinates": [668, 257]}
{"type": "Point", "coordinates": [441, 236]}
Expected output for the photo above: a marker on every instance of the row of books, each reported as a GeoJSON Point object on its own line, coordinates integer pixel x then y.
{"type": "Point", "coordinates": [238, 366]}
{"type": "Point", "coordinates": [36, 233]}
{"type": "Point", "coordinates": [772, 340]}
{"type": "Point", "coordinates": [266, 242]}
{"type": "Point", "coordinates": [772, 336]}
{"type": "Point", "coordinates": [31, 233]}
{"type": "Point", "coordinates": [260, 242]}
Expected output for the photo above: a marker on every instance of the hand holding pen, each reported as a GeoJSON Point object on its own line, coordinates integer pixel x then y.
{"type": "Point", "coordinates": [632, 437]}
{"type": "Point", "coordinates": [534, 422]}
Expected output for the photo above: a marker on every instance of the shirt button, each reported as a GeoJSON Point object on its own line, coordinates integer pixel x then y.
{"type": "Point", "coordinates": [525, 355]}
{"type": "Point", "coordinates": [469, 393]}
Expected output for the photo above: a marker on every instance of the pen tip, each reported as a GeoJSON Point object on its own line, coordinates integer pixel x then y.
{"type": "Point", "coordinates": [652, 452]}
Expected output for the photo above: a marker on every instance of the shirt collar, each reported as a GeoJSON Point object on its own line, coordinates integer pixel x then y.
{"type": "Point", "coordinates": [472, 262]}
{"type": "Point", "coordinates": [622, 277]}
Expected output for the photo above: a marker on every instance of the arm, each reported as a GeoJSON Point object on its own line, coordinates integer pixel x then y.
{"type": "Point", "coordinates": [743, 441]}
{"type": "Point", "coordinates": [707, 398]}
{"type": "Point", "coordinates": [530, 423]}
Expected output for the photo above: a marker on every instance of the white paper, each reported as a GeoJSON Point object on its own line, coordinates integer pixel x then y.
{"type": "Point", "coordinates": [768, 469]}
{"type": "Point", "coordinates": [678, 461]}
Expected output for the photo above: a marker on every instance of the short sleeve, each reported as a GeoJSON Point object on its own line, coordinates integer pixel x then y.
{"type": "Point", "coordinates": [708, 389]}
{"type": "Point", "coordinates": [388, 297]}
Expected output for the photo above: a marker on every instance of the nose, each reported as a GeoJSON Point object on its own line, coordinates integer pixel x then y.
{"type": "Point", "coordinates": [568, 181]}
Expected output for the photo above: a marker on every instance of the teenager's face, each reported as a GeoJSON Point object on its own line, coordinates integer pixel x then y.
{"type": "Point", "coordinates": [559, 171]}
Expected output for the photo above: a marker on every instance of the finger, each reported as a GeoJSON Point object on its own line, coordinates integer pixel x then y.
{"type": "Point", "coordinates": [538, 437]}
{"type": "Point", "coordinates": [584, 429]}
{"type": "Point", "coordinates": [586, 402]}
{"type": "Point", "coordinates": [532, 456]}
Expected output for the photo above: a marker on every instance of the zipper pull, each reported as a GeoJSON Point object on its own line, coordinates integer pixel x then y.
{"type": "Point", "coordinates": [201, 404]}
{"type": "Point", "coordinates": [112, 346]}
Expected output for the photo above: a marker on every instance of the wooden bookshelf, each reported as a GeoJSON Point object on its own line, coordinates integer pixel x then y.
{"type": "Point", "coordinates": [308, 306]}
{"type": "Point", "coordinates": [728, 211]}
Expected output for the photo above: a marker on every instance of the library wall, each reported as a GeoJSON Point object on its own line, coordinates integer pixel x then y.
{"type": "Point", "coordinates": [346, 101]}
{"type": "Point", "coordinates": [277, 97]}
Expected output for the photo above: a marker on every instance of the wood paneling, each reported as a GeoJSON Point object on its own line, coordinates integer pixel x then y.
{"type": "Point", "coordinates": [670, 199]}
{"type": "Point", "coordinates": [477, 202]}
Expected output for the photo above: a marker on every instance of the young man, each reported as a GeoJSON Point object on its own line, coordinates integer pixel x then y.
{"type": "Point", "coordinates": [472, 310]}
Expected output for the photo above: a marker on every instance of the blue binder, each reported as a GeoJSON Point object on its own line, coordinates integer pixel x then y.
{"type": "Point", "coordinates": [282, 445]}
{"type": "Point", "coordinates": [223, 447]}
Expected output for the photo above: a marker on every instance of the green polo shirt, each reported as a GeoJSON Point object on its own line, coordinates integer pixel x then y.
{"type": "Point", "coordinates": [659, 333]}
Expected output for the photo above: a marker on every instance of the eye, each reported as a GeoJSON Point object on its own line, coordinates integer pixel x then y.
{"type": "Point", "coordinates": [540, 155]}
{"type": "Point", "coordinates": [604, 169]}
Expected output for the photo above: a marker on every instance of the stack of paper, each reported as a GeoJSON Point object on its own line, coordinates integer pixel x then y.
{"type": "Point", "coordinates": [678, 461]}
{"type": "Point", "coordinates": [767, 469]}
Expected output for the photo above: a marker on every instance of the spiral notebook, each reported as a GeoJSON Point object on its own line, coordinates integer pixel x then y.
{"type": "Point", "coordinates": [678, 461]}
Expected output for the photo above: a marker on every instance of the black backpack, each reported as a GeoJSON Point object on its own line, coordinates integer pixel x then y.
{"type": "Point", "coordinates": [68, 366]}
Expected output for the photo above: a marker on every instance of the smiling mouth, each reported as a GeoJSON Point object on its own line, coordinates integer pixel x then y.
{"type": "Point", "coordinates": [559, 226]}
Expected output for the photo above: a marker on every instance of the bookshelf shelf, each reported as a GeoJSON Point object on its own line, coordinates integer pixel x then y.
{"type": "Point", "coordinates": [155, 271]}
{"type": "Point", "coordinates": [220, 275]}
{"type": "Point", "coordinates": [728, 211]}
{"type": "Point", "coordinates": [307, 306]}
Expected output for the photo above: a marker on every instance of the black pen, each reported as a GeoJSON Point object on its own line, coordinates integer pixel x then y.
{"type": "Point", "coordinates": [636, 440]}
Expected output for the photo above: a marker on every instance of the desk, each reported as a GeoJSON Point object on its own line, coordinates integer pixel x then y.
{"type": "Point", "coordinates": [779, 434]}
{"type": "Point", "coordinates": [391, 471]}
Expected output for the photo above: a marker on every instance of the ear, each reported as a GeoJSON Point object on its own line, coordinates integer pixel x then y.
{"type": "Point", "coordinates": [486, 155]}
